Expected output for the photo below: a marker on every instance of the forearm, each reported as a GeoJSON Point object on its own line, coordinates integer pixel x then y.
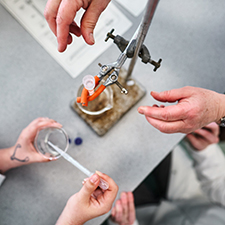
{"type": "Point", "coordinates": [66, 217]}
{"type": "Point", "coordinates": [5, 161]}
{"type": "Point", "coordinates": [65, 221]}
{"type": "Point", "coordinates": [8, 159]}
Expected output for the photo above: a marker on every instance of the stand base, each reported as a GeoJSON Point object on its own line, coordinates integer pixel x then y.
{"type": "Point", "coordinates": [121, 104]}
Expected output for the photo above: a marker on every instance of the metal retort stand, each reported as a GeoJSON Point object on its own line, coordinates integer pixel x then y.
{"type": "Point", "coordinates": [117, 75]}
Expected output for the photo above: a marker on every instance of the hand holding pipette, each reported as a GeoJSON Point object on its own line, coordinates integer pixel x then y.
{"type": "Point", "coordinates": [83, 206]}
{"type": "Point", "coordinates": [103, 184]}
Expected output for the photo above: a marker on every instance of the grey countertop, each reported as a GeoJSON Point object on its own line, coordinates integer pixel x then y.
{"type": "Point", "coordinates": [187, 35]}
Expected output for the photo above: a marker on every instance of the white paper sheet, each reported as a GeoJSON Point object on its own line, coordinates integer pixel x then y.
{"type": "Point", "coordinates": [78, 55]}
{"type": "Point", "coordinates": [133, 6]}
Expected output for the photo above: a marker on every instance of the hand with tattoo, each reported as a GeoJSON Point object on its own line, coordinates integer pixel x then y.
{"type": "Point", "coordinates": [24, 152]}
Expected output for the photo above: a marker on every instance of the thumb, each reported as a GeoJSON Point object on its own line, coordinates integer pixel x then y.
{"type": "Point", "coordinates": [89, 187]}
{"type": "Point", "coordinates": [171, 95]}
{"type": "Point", "coordinates": [90, 18]}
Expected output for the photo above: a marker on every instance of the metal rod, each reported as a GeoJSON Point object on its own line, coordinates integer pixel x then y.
{"type": "Point", "coordinates": [145, 23]}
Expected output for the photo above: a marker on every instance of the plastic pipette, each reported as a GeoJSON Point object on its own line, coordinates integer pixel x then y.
{"type": "Point", "coordinates": [103, 184]}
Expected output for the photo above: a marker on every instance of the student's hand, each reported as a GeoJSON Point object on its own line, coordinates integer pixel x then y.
{"type": "Point", "coordinates": [24, 152]}
{"type": "Point", "coordinates": [90, 201]}
{"type": "Point", "coordinates": [204, 137]}
{"type": "Point", "coordinates": [24, 144]}
{"type": "Point", "coordinates": [195, 108]}
{"type": "Point", "coordinates": [123, 212]}
{"type": "Point", "coordinates": [60, 16]}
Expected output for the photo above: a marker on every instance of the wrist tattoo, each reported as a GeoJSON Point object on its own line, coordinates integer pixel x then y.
{"type": "Point", "coordinates": [13, 157]}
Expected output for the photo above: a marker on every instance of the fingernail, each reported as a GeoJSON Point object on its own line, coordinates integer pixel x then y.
{"type": "Point", "coordinates": [84, 181]}
{"type": "Point", "coordinates": [91, 36]}
{"type": "Point", "coordinates": [140, 110]}
{"type": "Point", "coordinates": [123, 195]}
{"type": "Point", "coordinates": [118, 205]}
{"type": "Point", "coordinates": [99, 173]}
{"type": "Point", "coordinates": [94, 178]}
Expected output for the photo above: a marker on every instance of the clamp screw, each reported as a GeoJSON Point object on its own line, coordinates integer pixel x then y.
{"type": "Point", "coordinates": [104, 68]}
{"type": "Point", "coordinates": [123, 90]}
{"type": "Point", "coordinates": [110, 35]}
{"type": "Point", "coordinates": [113, 77]}
{"type": "Point", "coordinates": [156, 64]}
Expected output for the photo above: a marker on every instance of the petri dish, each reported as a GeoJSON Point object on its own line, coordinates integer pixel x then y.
{"type": "Point", "coordinates": [57, 136]}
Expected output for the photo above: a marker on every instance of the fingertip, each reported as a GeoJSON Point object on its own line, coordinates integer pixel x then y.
{"type": "Point", "coordinates": [75, 29]}
{"type": "Point", "coordinates": [88, 35]}
{"type": "Point", "coordinates": [190, 136]}
{"type": "Point", "coordinates": [78, 34]}
{"type": "Point", "coordinates": [91, 38]}
{"type": "Point", "coordinates": [94, 179]}
{"type": "Point", "coordinates": [59, 124]}
{"type": "Point", "coordinates": [61, 48]}
{"type": "Point", "coordinates": [130, 194]}
{"type": "Point", "coordinates": [153, 93]}
{"type": "Point", "coordinates": [91, 183]}
{"type": "Point", "coordinates": [141, 110]}
{"type": "Point", "coordinates": [123, 195]}
{"type": "Point", "coordinates": [113, 212]}
{"type": "Point", "coordinates": [69, 39]}
{"type": "Point", "coordinates": [118, 204]}
{"type": "Point", "coordinates": [62, 44]}
{"type": "Point", "coordinates": [84, 181]}
{"type": "Point", "coordinates": [55, 124]}
{"type": "Point", "coordinates": [99, 173]}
